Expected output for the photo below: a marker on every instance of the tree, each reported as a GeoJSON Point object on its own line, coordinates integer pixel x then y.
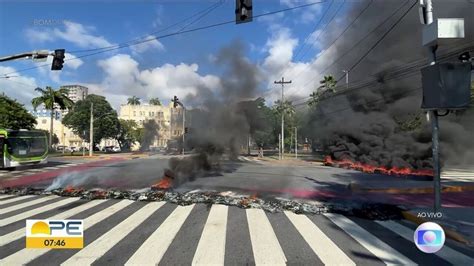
{"type": "Point", "coordinates": [129, 133]}
{"type": "Point", "coordinates": [155, 101]}
{"type": "Point", "coordinates": [13, 115]}
{"type": "Point", "coordinates": [52, 98]}
{"type": "Point", "coordinates": [327, 88]}
{"type": "Point", "coordinates": [106, 123]}
{"type": "Point", "coordinates": [134, 100]}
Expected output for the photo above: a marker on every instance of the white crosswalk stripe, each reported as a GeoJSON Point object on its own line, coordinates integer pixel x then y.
{"type": "Point", "coordinates": [8, 201]}
{"type": "Point", "coordinates": [25, 204]}
{"type": "Point", "coordinates": [30, 171]}
{"type": "Point", "coordinates": [35, 211]}
{"type": "Point", "coordinates": [321, 244]}
{"type": "Point", "coordinates": [5, 196]}
{"type": "Point", "coordinates": [15, 235]}
{"type": "Point", "coordinates": [383, 251]}
{"type": "Point", "coordinates": [26, 255]}
{"type": "Point", "coordinates": [156, 245]}
{"type": "Point", "coordinates": [211, 246]}
{"type": "Point", "coordinates": [265, 245]}
{"type": "Point", "coordinates": [447, 253]}
{"type": "Point", "coordinates": [99, 247]}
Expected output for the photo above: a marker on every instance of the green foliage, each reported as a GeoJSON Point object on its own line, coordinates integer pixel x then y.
{"type": "Point", "coordinates": [155, 101]}
{"type": "Point", "coordinates": [128, 134]}
{"type": "Point", "coordinates": [327, 88]}
{"type": "Point", "coordinates": [13, 115]}
{"type": "Point", "coordinates": [134, 100]}
{"type": "Point", "coordinates": [411, 123]}
{"type": "Point", "coordinates": [106, 123]}
{"type": "Point", "coordinates": [49, 97]}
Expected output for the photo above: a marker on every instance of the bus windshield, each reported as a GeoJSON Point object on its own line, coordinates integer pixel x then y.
{"type": "Point", "coordinates": [26, 144]}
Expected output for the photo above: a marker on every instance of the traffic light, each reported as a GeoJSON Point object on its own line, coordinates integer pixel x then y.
{"type": "Point", "coordinates": [58, 59]}
{"type": "Point", "coordinates": [175, 101]}
{"type": "Point", "coordinates": [186, 130]}
{"type": "Point", "coordinates": [243, 11]}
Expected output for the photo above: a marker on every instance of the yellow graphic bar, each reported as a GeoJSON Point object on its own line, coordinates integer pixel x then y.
{"type": "Point", "coordinates": [55, 242]}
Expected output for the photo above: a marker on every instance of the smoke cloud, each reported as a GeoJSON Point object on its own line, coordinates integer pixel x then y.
{"type": "Point", "coordinates": [383, 124]}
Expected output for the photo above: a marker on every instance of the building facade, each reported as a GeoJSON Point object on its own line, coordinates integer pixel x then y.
{"type": "Point", "coordinates": [165, 116]}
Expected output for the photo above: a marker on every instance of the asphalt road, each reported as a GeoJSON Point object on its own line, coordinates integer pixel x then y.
{"type": "Point", "coordinates": [121, 232]}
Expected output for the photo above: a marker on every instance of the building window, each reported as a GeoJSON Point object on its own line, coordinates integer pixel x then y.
{"type": "Point", "coordinates": [44, 121]}
{"type": "Point", "coordinates": [134, 113]}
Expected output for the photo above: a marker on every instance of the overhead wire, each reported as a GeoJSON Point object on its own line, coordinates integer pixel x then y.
{"type": "Point", "coordinates": [171, 34]}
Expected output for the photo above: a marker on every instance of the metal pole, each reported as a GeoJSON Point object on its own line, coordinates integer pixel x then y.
{"type": "Point", "coordinates": [434, 121]}
{"type": "Point", "coordinates": [91, 131]}
{"type": "Point", "coordinates": [296, 143]}
{"type": "Point", "coordinates": [184, 117]}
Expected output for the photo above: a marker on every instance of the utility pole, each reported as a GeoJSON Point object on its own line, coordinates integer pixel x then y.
{"type": "Point", "coordinates": [296, 143]}
{"type": "Point", "coordinates": [347, 78]}
{"type": "Point", "coordinates": [427, 7]}
{"type": "Point", "coordinates": [282, 82]}
{"type": "Point", "coordinates": [91, 131]}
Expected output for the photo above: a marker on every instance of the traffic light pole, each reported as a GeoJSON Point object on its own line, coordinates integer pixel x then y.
{"type": "Point", "coordinates": [427, 8]}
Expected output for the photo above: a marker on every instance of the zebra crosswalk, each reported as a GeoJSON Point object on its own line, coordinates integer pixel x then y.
{"type": "Point", "coordinates": [22, 171]}
{"type": "Point", "coordinates": [148, 233]}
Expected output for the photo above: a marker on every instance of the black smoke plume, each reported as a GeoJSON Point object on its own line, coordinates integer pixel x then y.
{"type": "Point", "coordinates": [382, 123]}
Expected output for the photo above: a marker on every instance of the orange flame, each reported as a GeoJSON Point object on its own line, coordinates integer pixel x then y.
{"type": "Point", "coordinates": [165, 183]}
{"type": "Point", "coordinates": [366, 168]}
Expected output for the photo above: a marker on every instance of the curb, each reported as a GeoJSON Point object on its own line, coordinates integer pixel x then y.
{"type": "Point", "coordinates": [358, 188]}
{"type": "Point", "coordinates": [452, 234]}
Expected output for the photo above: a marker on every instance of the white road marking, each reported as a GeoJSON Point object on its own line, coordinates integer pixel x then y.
{"type": "Point", "coordinates": [18, 198]}
{"type": "Point", "coordinates": [265, 246]}
{"type": "Point", "coordinates": [100, 246]}
{"type": "Point", "coordinates": [454, 257]}
{"type": "Point", "coordinates": [26, 255]}
{"type": "Point", "coordinates": [323, 247]}
{"type": "Point", "coordinates": [211, 247]}
{"type": "Point", "coordinates": [5, 196]}
{"type": "Point", "coordinates": [153, 249]}
{"type": "Point", "coordinates": [15, 235]}
{"type": "Point", "coordinates": [26, 204]}
{"type": "Point", "coordinates": [376, 246]}
{"type": "Point", "coordinates": [35, 211]}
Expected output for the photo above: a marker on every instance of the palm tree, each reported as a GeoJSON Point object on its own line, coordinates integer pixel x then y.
{"type": "Point", "coordinates": [155, 101]}
{"type": "Point", "coordinates": [328, 86]}
{"type": "Point", "coordinates": [287, 108]}
{"type": "Point", "coordinates": [52, 98]}
{"type": "Point", "coordinates": [328, 83]}
{"type": "Point", "coordinates": [134, 100]}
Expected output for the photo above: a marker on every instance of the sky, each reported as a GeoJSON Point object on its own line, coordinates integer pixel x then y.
{"type": "Point", "coordinates": [160, 67]}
